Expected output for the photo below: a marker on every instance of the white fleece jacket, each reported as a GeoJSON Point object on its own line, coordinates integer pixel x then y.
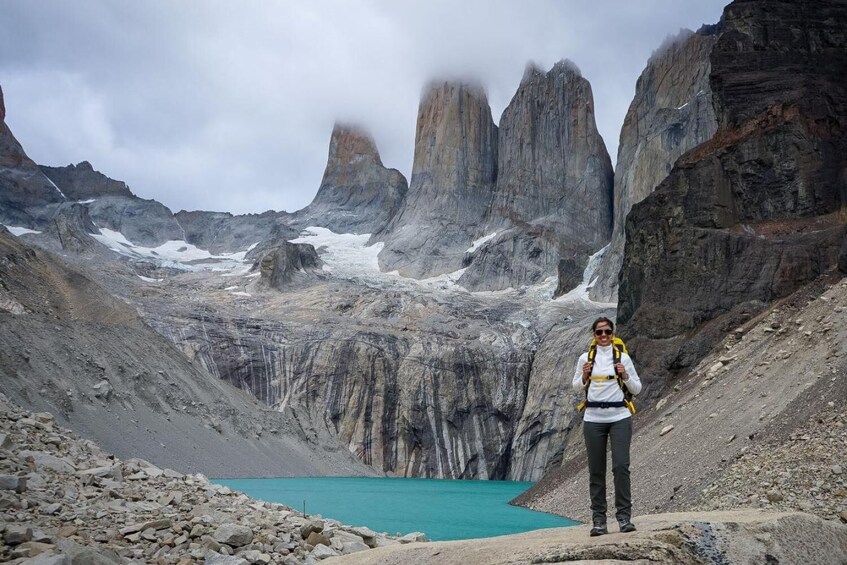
{"type": "Point", "coordinates": [606, 391]}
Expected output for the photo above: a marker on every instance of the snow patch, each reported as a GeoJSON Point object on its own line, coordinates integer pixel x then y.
{"type": "Point", "coordinates": [580, 293]}
{"type": "Point", "coordinates": [176, 254]}
{"type": "Point", "coordinates": [89, 201]}
{"type": "Point", "coordinates": [477, 243]}
{"type": "Point", "coordinates": [17, 230]}
{"type": "Point", "coordinates": [148, 279]}
{"type": "Point", "coordinates": [241, 294]}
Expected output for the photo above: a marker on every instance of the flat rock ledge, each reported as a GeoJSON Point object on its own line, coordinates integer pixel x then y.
{"type": "Point", "coordinates": [735, 537]}
{"type": "Point", "coordinates": [64, 501]}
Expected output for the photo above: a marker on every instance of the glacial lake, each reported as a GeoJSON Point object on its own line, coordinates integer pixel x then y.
{"type": "Point", "coordinates": [442, 509]}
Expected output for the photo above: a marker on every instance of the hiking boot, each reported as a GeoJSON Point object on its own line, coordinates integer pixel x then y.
{"type": "Point", "coordinates": [626, 526]}
{"type": "Point", "coordinates": [599, 529]}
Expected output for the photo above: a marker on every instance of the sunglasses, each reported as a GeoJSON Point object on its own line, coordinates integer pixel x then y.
{"type": "Point", "coordinates": [605, 331]}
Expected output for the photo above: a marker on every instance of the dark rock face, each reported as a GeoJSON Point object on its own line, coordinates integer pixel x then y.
{"type": "Point", "coordinates": [671, 113]}
{"type": "Point", "coordinates": [357, 193]}
{"type": "Point", "coordinates": [453, 176]}
{"type": "Point", "coordinates": [758, 210]}
{"type": "Point", "coordinates": [82, 182]}
{"type": "Point", "coordinates": [554, 182]}
{"type": "Point", "coordinates": [22, 185]}
{"type": "Point", "coordinates": [143, 222]}
{"type": "Point", "coordinates": [72, 228]}
{"type": "Point", "coordinates": [221, 232]}
{"type": "Point", "coordinates": [282, 265]}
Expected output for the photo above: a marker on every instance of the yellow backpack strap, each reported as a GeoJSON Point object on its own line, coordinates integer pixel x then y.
{"type": "Point", "coordinates": [616, 358]}
{"type": "Point", "coordinates": [592, 353]}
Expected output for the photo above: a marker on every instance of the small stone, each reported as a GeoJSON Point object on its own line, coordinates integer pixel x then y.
{"type": "Point", "coordinates": [322, 552]}
{"type": "Point", "coordinates": [413, 537]}
{"type": "Point", "coordinates": [837, 470]}
{"type": "Point", "coordinates": [66, 531]}
{"type": "Point", "coordinates": [666, 429]}
{"type": "Point", "coordinates": [353, 547]}
{"type": "Point", "coordinates": [775, 496]}
{"type": "Point", "coordinates": [52, 509]}
{"type": "Point", "coordinates": [16, 534]}
{"type": "Point", "coordinates": [218, 559]}
{"type": "Point", "coordinates": [234, 535]}
{"type": "Point", "coordinates": [13, 482]}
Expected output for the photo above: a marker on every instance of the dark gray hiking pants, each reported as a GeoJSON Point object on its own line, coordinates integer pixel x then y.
{"type": "Point", "coordinates": [596, 436]}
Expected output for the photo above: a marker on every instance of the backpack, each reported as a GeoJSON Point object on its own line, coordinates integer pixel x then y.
{"type": "Point", "coordinates": [618, 347]}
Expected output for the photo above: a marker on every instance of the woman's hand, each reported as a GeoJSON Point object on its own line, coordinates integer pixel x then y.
{"type": "Point", "coordinates": [622, 371]}
{"type": "Point", "coordinates": [586, 372]}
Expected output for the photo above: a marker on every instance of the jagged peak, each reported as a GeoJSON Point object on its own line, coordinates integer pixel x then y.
{"type": "Point", "coordinates": [671, 42]}
{"type": "Point", "coordinates": [84, 166]}
{"type": "Point", "coordinates": [531, 71]}
{"type": "Point", "coordinates": [351, 141]}
{"type": "Point", "coordinates": [568, 66]}
{"type": "Point", "coordinates": [473, 86]}
{"type": "Point", "coordinates": [2, 105]}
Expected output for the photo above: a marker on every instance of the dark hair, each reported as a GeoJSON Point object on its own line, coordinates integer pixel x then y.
{"type": "Point", "coordinates": [600, 321]}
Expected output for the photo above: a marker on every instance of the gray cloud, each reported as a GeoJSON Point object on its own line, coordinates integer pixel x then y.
{"type": "Point", "coordinates": [229, 106]}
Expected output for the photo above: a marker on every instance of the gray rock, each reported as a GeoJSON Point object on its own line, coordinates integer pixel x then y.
{"type": "Point", "coordinates": [313, 525]}
{"type": "Point", "coordinates": [323, 552]}
{"type": "Point", "coordinates": [353, 547]}
{"type": "Point", "coordinates": [357, 193]}
{"type": "Point", "coordinates": [286, 263]}
{"type": "Point", "coordinates": [46, 559]}
{"type": "Point", "coordinates": [15, 534]}
{"type": "Point", "coordinates": [553, 195]}
{"type": "Point", "coordinates": [103, 390]}
{"type": "Point", "coordinates": [234, 535]}
{"type": "Point", "coordinates": [670, 113]}
{"type": "Point", "coordinates": [222, 232]}
{"type": "Point", "coordinates": [13, 482]}
{"type": "Point", "coordinates": [82, 182]}
{"type": "Point", "coordinates": [413, 537]}
{"type": "Point", "coordinates": [44, 460]}
{"type": "Point", "coordinates": [217, 559]}
{"type": "Point", "coordinates": [453, 175]}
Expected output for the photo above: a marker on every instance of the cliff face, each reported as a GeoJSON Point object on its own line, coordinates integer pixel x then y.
{"type": "Point", "coordinates": [82, 182]}
{"type": "Point", "coordinates": [357, 193]}
{"type": "Point", "coordinates": [22, 185]}
{"type": "Point", "coordinates": [453, 176]}
{"type": "Point", "coordinates": [554, 183]}
{"type": "Point", "coordinates": [124, 385]}
{"type": "Point", "coordinates": [759, 209]}
{"type": "Point", "coordinates": [408, 382]}
{"type": "Point", "coordinates": [670, 113]}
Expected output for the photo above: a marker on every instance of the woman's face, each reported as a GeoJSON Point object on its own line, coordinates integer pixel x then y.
{"type": "Point", "coordinates": [603, 334]}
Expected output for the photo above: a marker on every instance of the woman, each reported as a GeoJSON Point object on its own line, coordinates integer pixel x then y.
{"type": "Point", "coordinates": [607, 417]}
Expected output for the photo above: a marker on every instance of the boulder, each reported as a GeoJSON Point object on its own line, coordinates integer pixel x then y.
{"type": "Point", "coordinates": [13, 482]}
{"type": "Point", "coordinates": [15, 534]}
{"type": "Point", "coordinates": [234, 535]}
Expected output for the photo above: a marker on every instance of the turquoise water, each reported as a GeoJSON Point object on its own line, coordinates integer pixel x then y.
{"type": "Point", "coordinates": [442, 509]}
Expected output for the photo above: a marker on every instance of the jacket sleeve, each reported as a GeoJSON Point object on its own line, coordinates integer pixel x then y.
{"type": "Point", "coordinates": [577, 374]}
{"type": "Point", "coordinates": [633, 383]}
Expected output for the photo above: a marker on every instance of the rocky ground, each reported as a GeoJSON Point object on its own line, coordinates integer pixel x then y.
{"type": "Point", "coordinates": [808, 472]}
{"type": "Point", "coordinates": [732, 430]}
{"type": "Point", "coordinates": [66, 501]}
{"type": "Point", "coordinates": [749, 537]}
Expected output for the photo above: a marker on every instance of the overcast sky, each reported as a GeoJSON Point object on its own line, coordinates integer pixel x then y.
{"type": "Point", "coordinates": [229, 106]}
